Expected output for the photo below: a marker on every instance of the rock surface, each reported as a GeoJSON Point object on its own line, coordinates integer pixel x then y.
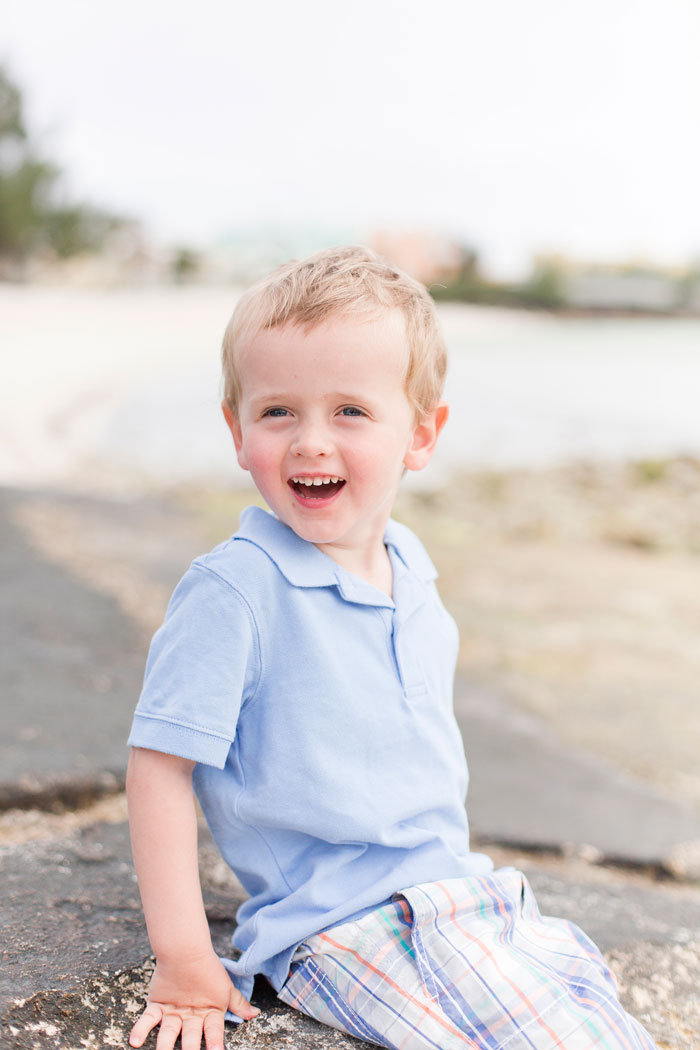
{"type": "Point", "coordinates": [76, 961]}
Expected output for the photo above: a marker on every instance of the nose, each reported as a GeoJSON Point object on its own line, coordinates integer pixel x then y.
{"type": "Point", "coordinates": [311, 438]}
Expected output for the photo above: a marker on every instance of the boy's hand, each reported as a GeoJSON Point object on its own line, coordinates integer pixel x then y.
{"type": "Point", "coordinates": [190, 999]}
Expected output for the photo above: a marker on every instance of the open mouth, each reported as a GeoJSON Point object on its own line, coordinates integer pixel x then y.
{"type": "Point", "coordinates": [319, 487]}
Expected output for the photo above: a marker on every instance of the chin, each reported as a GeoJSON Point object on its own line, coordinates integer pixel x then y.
{"type": "Point", "coordinates": [316, 535]}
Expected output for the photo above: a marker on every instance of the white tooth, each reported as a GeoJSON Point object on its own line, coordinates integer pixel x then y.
{"type": "Point", "coordinates": [318, 481]}
{"type": "Point", "coordinates": [307, 481]}
{"type": "Point", "coordinates": [334, 480]}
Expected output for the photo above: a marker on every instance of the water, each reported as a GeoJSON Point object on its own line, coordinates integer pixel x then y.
{"type": "Point", "coordinates": [121, 387]}
{"type": "Point", "coordinates": [541, 390]}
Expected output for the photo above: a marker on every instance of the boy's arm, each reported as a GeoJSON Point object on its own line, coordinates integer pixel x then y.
{"type": "Point", "coordinates": [190, 990]}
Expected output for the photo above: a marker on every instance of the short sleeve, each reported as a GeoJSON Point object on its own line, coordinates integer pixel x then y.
{"type": "Point", "coordinates": [204, 662]}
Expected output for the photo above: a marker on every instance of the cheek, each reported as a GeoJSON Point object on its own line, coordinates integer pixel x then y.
{"type": "Point", "coordinates": [378, 459]}
{"type": "Point", "coordinates": [262, 457]}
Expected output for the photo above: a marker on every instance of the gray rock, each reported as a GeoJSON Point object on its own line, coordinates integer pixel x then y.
{"type": "Point", "coordinates": [70, 673]}
{"type": "Point", "coordinates": [100, 1013]}
{"type": "Point", "coordinates": [71, 908]}
{"type": "Point", "coordinates": [76, 960]}
{"type": "Point", "coordinates": [527, 789]}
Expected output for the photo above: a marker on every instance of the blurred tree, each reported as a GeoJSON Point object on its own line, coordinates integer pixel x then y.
{"type": "Point", "coordinates": [545, 287]}
{"type": "Point", "coordinates": [688, 289]}
{"type": "Point", "coordinates": [466, 283]}
{"type": "Point", "coordinates": [10, 109]}
{"type": "Point", "coordinates": [31, 217]}
{"type": "Point", "coordinates": [185, 264]}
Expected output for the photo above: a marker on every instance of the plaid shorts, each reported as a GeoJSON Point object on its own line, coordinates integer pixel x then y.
{"type": "Point", "coordinates": [463, 963]}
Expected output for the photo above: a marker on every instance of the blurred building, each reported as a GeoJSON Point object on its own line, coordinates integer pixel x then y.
{"type": "Point", "coordinates": [629, 287]}
{"type": "Point", "coordinates": [609, 290]}
{"type": "Point", "coordinates": [427, 256]}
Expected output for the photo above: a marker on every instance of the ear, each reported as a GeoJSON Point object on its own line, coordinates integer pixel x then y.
{"type": "Point", "coordinates": [234, 425]}
{"type": "Point", "coordinates": [425, 435]}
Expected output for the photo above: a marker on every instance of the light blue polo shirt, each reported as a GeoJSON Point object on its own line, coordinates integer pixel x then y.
{"type": "Point", "coordinates": [330, 767]}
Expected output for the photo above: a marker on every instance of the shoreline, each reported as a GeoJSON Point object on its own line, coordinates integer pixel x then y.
{"type": "Point", "coordinates": [562, 311]}
{"type": "Point", "coordinates": [120, 387]}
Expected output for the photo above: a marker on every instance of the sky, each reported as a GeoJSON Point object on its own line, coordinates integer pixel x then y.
{"type": "Point", "coordinates": [514, 127]}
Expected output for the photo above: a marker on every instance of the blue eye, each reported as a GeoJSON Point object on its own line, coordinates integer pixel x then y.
{"type": "Point", "coordinates": [275, 412]}
{"type": "Point", "coordinates": [352, 410]}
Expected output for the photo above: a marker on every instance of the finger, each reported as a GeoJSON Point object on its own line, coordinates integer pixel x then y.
{"type": "Point", "coordinates": [169, 1031]}
{"type": "Point", "coordinates": [150, 1017]}
{"type": "Point", "coordinates": [191, 1035]}
{"type": "Point", "coordinates": [240, 1006]}
{"type": "Point", "coordinates": [213, 1031]}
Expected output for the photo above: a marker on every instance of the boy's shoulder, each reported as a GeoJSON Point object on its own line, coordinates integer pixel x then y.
{"type": "Point", "coordinates": [264, 552]}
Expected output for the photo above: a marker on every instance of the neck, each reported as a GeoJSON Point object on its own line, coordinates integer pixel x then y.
{"type": "Point", "coordinates": [372, 566]}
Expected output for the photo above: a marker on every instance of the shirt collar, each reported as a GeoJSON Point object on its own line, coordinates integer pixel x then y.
{"type": "Point", "coordinates": [304, 565]}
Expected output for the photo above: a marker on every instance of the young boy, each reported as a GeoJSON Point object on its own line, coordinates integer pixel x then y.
{"type": "Point", "coordinates": [303, 681]}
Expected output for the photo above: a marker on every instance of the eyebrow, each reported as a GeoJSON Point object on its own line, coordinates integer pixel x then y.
{"type": "Point", "coordinates": [334, 395]}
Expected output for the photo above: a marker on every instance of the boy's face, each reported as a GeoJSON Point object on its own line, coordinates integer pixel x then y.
{"type": "Point", "coordinates": [326, 429]}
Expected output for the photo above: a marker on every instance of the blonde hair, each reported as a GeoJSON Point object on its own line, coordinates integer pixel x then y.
{"type": "Point", "coordinates": [349, 281]}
